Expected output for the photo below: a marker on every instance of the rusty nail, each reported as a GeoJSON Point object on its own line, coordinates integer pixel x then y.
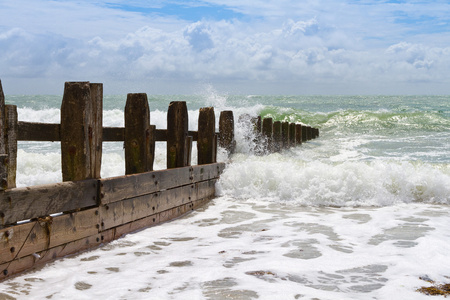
{"type": "Point", "coordinates": [96, 212]}
{"type": "Point", "coordinates": [5, 272]}
{"type": "Point", "coordinates": [12, 249]}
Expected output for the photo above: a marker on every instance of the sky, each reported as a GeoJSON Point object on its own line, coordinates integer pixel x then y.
{"type": "Point", "coordinates": [284, 47]}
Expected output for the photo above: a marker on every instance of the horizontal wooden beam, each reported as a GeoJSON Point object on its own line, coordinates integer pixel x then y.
{"type": "Point", "coordinates": [43, 200]}
{"type": "Point", "coordinates": [129, 186]}
{"type": "Point", "coordinates": [32, 237]}
{"type": "Point", "coordinates": [47, 132]}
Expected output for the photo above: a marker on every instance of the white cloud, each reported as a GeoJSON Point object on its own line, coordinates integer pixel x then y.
{"type": "Point", "coordinates": [316, 44]}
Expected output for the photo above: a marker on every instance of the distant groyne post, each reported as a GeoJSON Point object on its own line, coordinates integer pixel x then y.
{"type": "Point", "coordinates": [277, 135]}
{"type": "Point", "coordinates": [226, 131]}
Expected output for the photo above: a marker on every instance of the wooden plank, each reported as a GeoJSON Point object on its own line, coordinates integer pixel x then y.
{"type": "Point", "coordinates": [38, 201]}
{"type": "Point", "coordinates": [37, 259]}
{"type": "Point", "coordinates": [32, 237]}
{"type": "Point", "coordinates": [128, 210]}
{"type": "Point", "coordinates": [42, 132]}
{"type": "Point", "coordinates": [129, 186]}
{"type": "Point", "coordinates": [206, 153]}
{"type": "Point", "coordinates": [138, 155]}
{"type": "Point", "coordinates": [177, 131]}
{"type": "Point", "coordinates": [206, 172]}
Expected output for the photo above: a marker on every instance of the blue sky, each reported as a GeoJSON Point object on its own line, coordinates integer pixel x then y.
{"type": "Point", "coordinates": [236, 46]}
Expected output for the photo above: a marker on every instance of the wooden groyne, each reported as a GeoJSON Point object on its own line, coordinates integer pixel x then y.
{"type": "Point", "coordinates": [41, 223]}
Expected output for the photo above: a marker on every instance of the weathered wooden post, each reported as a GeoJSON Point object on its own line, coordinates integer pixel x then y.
{"type": "Point", "coordinates": [298, 134]}
{"type": "Point", "coordinates": [177, 133]}
{"type": "Point", "coordinates": [285, 134]}
{"type": "Point", "coordinates": [226, 131]}
{"type": "Point", "coordinates": [11, 132]}
{"type": "Point", "coordinates": [308, 133]}
{"type": "Point", "coordinates": [206, 149]}
{"type": "Point", "coordinates": [292, 133]}
{"type": "Point", "coordinates": [267, 131]}
{"type": "Point", "coordinates": [277, 136]}
{"type": "Point", "coordinates": [304, 134]}
{"type": "Point", "coordinates": [139, 137]}
{"type": "Point", "coordinates": [97, 123]}
{"type": "Point", "coordinates": [8, 143]}
{"type": "Point", "coordinates": [79, 131]}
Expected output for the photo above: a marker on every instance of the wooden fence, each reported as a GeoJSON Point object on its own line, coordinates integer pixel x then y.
{"type": "Point", "coordinates": [41, 223]}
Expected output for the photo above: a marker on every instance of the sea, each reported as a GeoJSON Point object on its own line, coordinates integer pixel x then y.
{"type": "Point", "coordinates": [361, 212]}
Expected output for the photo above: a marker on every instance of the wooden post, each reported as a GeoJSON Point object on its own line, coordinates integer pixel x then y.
{"type": "Point", "coordinates": [304, 134]}
{"type": "Point", "coordinates": [11, 144]}
{"type": "Point", "coordinates": [189, 141]}
{"type": "Point", "coordinates": [97, 127]}
{"type": "Point", "coordinates": [206, 136]}
{"type": "Point", "coordinates": [292, 133]}
{"type": "Point", "coordinates": [267, 131]}
{"type": "Point", "coordinates": [277, 137]}
{"type": "Point", "coordinates": [308, 133]}
{"type": "Point", "coordinates": [138, 137]}
{"type": "Point", "coordinates": [79, 131]}
{"type": "Point", "coordinates": [285, 134]}
{"type": "Point", "coordinates": [177, 131]}
{"type": "Point", "coordinates": [298, 134]}
{"type": "Point", "coordinates": [226, 131]}
{"type": "Point", "coordinates": [3, 155]}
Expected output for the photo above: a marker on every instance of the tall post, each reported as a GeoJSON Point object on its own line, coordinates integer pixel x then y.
{"type": "Point", "coordinates": [285, 134]}
{"type": "Point", "coordinates": [138, 135]}
{"type": "Point", "coordinates": [298, 134]}
{"type": "Point", "coordinates": [177, 132]}
{"type": "Point", "coordinates": [292, 133]}
{"type": "Point", "coordinates": [97, 127]}
{"type": "Point", "coordinates": [79, 131]}
{"type": "Point", "coordinates": [206, 150]}
{"type": "Point", "coordinates": [277, 137]}
{"type": "Point", "coordinates": [226, 131]}
{"type": "Point", "coordinates": [267, 131]}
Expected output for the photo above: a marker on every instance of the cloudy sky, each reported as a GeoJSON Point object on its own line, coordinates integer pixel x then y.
{"type": "Point", "coordinates": [236, 46]}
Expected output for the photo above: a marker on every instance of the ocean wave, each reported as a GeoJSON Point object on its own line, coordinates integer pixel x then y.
{"type": "Point", "coordinates": [353, 183]}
